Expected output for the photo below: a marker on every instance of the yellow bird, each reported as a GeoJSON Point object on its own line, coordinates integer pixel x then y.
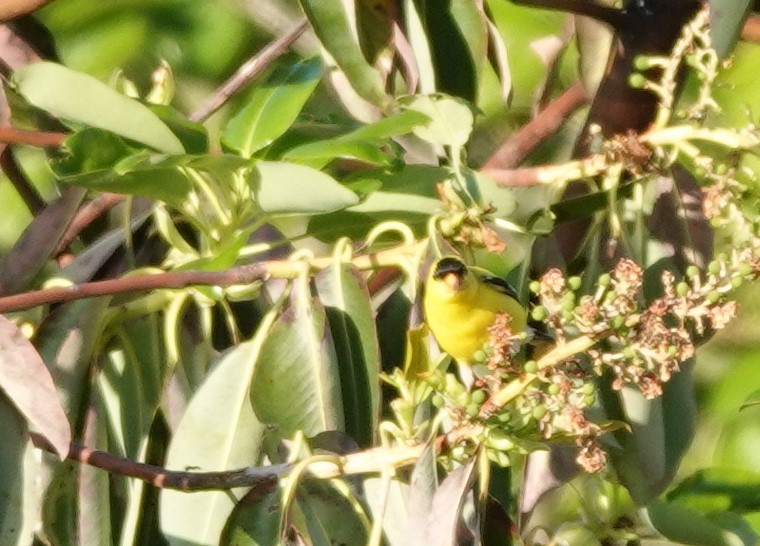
{"type": "Point", "coordinates": [460, 304]}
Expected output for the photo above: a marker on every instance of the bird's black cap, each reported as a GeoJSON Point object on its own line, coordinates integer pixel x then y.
{"type": "Point", "coordinates": [449, 265]}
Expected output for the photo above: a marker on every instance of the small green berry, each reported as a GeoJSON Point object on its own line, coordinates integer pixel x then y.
{"type": "Point", "coordinates": [531, 366]}
{"type": "Point", "coordinates": [745, 269]}
{"type": "Point", "coordinates": [479, 356]}
{"type": "Point", "coordinates": [721, 169]}
{"type": "Point", "coordinates": [714, 267]}
{"type": "Point", "coordinates": [618, 322]}
{"type": "Point", "coordinates": [574, 283]}
{"type": "Point", "coordinates": [505, 417]}
{"type": "Point", "coordinates": [604, 280]}
{"type": "Point", "coordinates": [568, 306]}
{"type": "Point", "coordinates": [641, 62]}
{"type": "Point", "coordinates": [736, 282]}
{"type": "Point", "coordinates": [713, 297]}
{"type": "Point", "coordinates": [588, 388]}
{"type": "Point", "coordinates": [629, 353]}
{"type": "Point", "coordinates": [637, 81]}
{"type": "Point", "coordinates": [692, 271]}
{"type": "Point", "coordinates": [589, 399]}
{"type": "Point", "coordinates": [535, 287]}
{"type": "Point", "coordinates": [539, 412]}
{"type": "Point", "coordinates": [539, 313]}
{"type": "Point", "coordinates": [553, 389]}
{"type": "Point", "coordinates": [479, 396]}
{"type": "Point", "coordinates": [567, 314]}
{"type": "Point", "coordinates": [682, 289]}
{"type": "Point", "coordinates": [473, 410]}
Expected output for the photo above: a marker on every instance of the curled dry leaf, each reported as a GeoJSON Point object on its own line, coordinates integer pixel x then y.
{"type": "Point", "coordinates": [28, 384]}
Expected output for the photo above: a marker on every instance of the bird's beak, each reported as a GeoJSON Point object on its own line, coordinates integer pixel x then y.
{"type": "Point", "coordinates": [453, 281]}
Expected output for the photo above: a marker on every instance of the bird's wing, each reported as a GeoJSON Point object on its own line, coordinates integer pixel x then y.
{"type": "Point", "coordinates": [497, 283]}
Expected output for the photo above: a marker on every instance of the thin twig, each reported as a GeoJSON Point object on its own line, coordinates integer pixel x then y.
{"type": "Point", "coordinates": [40, 139]}
{"type": "Point", "coordinates": [249, 70]}
{"type": "Point", "coordinates": [751, 30]}
{"type": "Point", "coordinates": [21, 184]}
{"type": "Point", "coordinates": [546, 123]}
{"type": "Point", "coordinates": [239, 275]}
{"type": "Point", "coordinates": [87, 215]}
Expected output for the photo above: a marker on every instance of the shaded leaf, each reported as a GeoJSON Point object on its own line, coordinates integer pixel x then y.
{"type": "Point", "coordinates": [255, 521]}
{"type": "Point", "coordinates": [447, 504]}
{"type": "Point", "coordinates": [296, 383]}
{"type": "Point", "coordinates": [329, 517]}
{"type": "Point", "coordinates": [726, 22]}
{"type": "Point", "coordinates": [78, 97]}
{"type": "Point", "coordinates": [273, 107]}
{"type": "Point", "coordinates": [26, 381]}
{"type": "Point", "coordinates": [719, 488]}
{"type": "Point", "coordinates": [422, 488]}
{"type": "Point", "coordinates": [681, 524]}
{"type": "Point", "coordinates": [330, 21]}
{"type": "Point", "coordinates": [343, 292]}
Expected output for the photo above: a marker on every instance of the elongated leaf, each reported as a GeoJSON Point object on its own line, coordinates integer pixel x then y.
{"type": "Point", "coordinates": [219, 431]}
{"type": "Point", "coordinates": [26, 381]}
{"type": "Point", "coordinates": [726, 21]}
{"type": "Point", "coordinates": [296, 384]}
{"type": "Point", "coordinates": [447, 505]}
{"type": "Point", "coordinates": [683, 525]}
{"type": "Point", "coordinates": [719, 488]}
{"type": "Point", "coordinates": [349, 312]}
{"type": "Point", "coordinates": [255, 521]}
{"type": "Point", "coordinates": [289, 188]}
{"type": "Point", "coordinates": [330, 21]}
{"type": "Point", "coordinates": [422, 490]}
{"type": "Point", "coordinates": [14, 495]}
{"type": "Point", "coordinates": [388, 499]}
{"type": "Point", "coordinates": [78, 97]}
{"type": "Point", "coordinates": [273, 107]}
{"type": "Point", "coordinates": [329, 517]}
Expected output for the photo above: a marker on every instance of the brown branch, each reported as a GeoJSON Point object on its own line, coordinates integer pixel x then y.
{"type": "Point", "coordinates": [40, 139]}
{"type": "Point", "coordinates": [86, 216]}
{"type": "Point", "coordinates": [546, 123]}
{"type": "Point", "coordinates": [751, 30]}
{"type": "Point", "coordinates": [263, 477]}
{"type": "Point", "coordinates": [242, 274]}
{"type": "Point", "coordinates": [249, 70]}
{"type": "Point", "coordinates": [20, 182]}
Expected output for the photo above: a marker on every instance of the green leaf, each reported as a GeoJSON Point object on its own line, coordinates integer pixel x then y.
{"type": "Point", "coordinates": [273, 107]}
{"type": "Point", "coordinates": [329, 517]}
{"type": "Point", "coordinates": [289, 188]}
{"type": "Point", "coordinates": [330, 21]}
{"type": "Point", "coordinates": [296, 384]}
{"type": "Point", "coordinates": [255, 521]}
{"type": "Point", "coordinates": [344, 294]}
{"type": "Point", "coordinates": [363, 143]}
{"type": "Point", "coordinates": [14, 495]}
{"type": "Point", "coordinates": [89, 150]}
{"type": "Point", "coordinates": [218, 431]}
{"type": "Point", "coordinates": [726, 21]}
{"type": "Point", "coordinates": [451, 119]}
{"type": "Point", "coordinates": [81, 98]}
{"type": "Point", "coordinates": [732, 489]}
{"type": "Point", "coordinates": [193, 136]}
{"type": "Point", "coordinates": [680, 524]}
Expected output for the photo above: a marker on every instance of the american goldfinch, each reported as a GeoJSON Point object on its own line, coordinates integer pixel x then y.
{"type": "Point", "coordinates": [460, 304]}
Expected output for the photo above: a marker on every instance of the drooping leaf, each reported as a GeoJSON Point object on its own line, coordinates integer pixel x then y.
{"type": "Point", "coordinates": [289, 188]}
{"type": "Point", "coordinates": [255, 521]}
{"type": "Point", "coordinates": [422, 489]}
{"type": "Point", "coordinates": [89, 150]}
{"type": "Point", "coordinates": [726, 21]}
{"type": "Point", "coordinates": [27, 383]}
{"type": "Point", "coordinates": [273, 107]}
{"type": "Point", "coordinates": [349, 313]}
{"type": "Point", "coordinates": [329, 517]}
{"type": "Point", "coordinates": [296, 383]}
{"type": "Point", "coordinates": [719, 488]}
{"type": "Point", "coordinates": [330, 21]}
{"type": "Point", "coordinates": [218, 431]}
{"type": "Point", "coordinates": [78, 97]}
{"type": "Point", "coordinates": [17, 509]}
{"type": "Point", "coordinates": [193, 136]}
{"type": "Point", "coordinates": [683, 525]}
{"type": "Point", "coordinates": [446, 508]}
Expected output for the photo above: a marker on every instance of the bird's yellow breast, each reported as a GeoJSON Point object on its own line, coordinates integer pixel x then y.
{"type": "Point", "coordinates": [460, 320]}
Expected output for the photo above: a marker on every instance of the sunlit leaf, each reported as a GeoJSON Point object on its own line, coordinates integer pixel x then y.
{"type": "Point", "coordinates": [450, 123]}
{"type": "Point", "coordinates": [255, 521]}
{"type": "Point", "coordinates": [273, 107]}
{"type": "Point", "coordinates": [289, 188]}
{"type": "Point", "coordinates": [296, 383]}
{"type": "Point", "coordinates": [681, 524]}
{"type": "Point", "coordinates": [218, 431]}
{"type": "Point", "coordinates": [27, 383]}
{"type": "Point", "coordinates": [81, 98]}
